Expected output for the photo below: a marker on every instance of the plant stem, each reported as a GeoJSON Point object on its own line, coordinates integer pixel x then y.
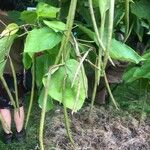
{"type": "Point", "coordinates": [32, 93]}
{"type": "Point", "coordinates": [42, 120]}
{"type": "Point", "coordinates": [109, 91]}
{"type": "Point", "coordinates": [110, 31]}
{"type": "Point", "coordinates": [129, 32]}
{"type": "Point", "coordinates": [66, 117]}
{"type": "Point", "coordinates": [102, 26]}
{"type": "Point", "coordinates": [15, 81]}
{"type": "Point", "coordinates": [66, 37]}
{"type": "Point", "coordinates": [99, 59]}
{"type": "Point", "coordinates": [77, 51]}
{"type": "Point", "coordinates": [100, 43]}
{"type": "Point", "coordinates": [93, 93]}
{"type": "Point", "coordinates": [8, 91]}
{"type": "Point", "coordinates": [127, 17]}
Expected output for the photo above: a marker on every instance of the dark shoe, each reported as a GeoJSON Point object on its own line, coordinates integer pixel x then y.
{"type": "Point", "coordinates": [7, 138]}
{"type": "Point", "coordinates": [20, 136]}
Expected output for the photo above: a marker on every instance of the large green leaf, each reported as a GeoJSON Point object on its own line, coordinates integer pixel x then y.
{"type": "Point", "coordinates": [49, 104]}
{"type": "Point", "coordinates": [87, 31]}
{"type": "Point", "coordinates": [43, 63]}
{"type": "Point", "coordinates": [46, 11]}
{"type": "Point", "coordinates": [118, 51]}
{"type": "Point", "coordinates": [143, 71]}
{"type": "Point", "coordinates": [70, 96]}
{"type": "Point", "coordinates": [55, 25]}
{"type": "Point", "coordinates": [147, 54]}
{"type": "Point", "coordinates": [27, 60]}
{"type": "Point", "coordinates": [14, 16]}
{"type": "Point", "coordinates": [29, 16]}
{"type": "Point", "coordinates": [41, 39]}
{"type": "Point", "coordinates": [123, 52]}
{"type": "Point", "coordinates": [128, 76]}
{"type": "Point", "coordinates": [5, 45]}
{"type": "Point", "coordinates": [141, 9]}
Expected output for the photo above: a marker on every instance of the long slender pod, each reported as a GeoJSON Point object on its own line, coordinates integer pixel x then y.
{"type": "Point", "coordinates": [32, 93]}
{"type": "Point", "coordinates": [15, 81]}
{"type": "Point", "coordinates": [66, 37]}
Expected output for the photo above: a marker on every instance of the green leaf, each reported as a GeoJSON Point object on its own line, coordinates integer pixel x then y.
{"type": "Point", "coordinates": [87, 31]}
{"type": "Point", "coordinates": [10, 30]}
{"type": "Point", "coordinates": [135, 73]}
{"type": "Point", "coordinates": [147, 54]}
{"type": "Point", "coordinates": [55, 25]}
{"type": "Point", "coordinates": [123, 52]}
{"type": "Point", "coordinates": [49, 105]}
{"type": "Point", "coordinates": [27, 60]}
{"type": "Point", "coordinates": [46, 11]}
{"type": "Point", "coordinates": [128, 75]}
{"type": "Point", "coordinates": [41, 39]}
{"type": "Point", "coordinates": [29, 16]}
{"type": "Point", "coordinates": [141, 9]}
{"type": "Point", "coordinates": [14, 16]}
{"type": "Point", "coordinates": [143, 71]}
{"type": "Point", "coordinates": [118, 51]}
{"type": "Point", "coordinates": [5, 45]}
{"type": "Point", "coordinates": [56, 86]}
{"type": "Point", "coordinates": [43, 63]}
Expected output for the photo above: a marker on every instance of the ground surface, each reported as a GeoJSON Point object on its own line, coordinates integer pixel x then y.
{"type": "Point", "coordinates": [108, 129]}
{"type": "Point", "coordinates": [103, 132]}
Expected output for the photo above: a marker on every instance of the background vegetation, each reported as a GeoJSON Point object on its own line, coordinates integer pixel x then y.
{"type": "Point", "coordinates": [66, 41]}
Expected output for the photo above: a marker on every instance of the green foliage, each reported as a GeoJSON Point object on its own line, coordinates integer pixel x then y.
{"type": "Point", "coordinates": [49, 104]}
{"type": "Point", "coordinates": [60, 49]}
{"type": "Point", "coordinates": [141, 9]}
{"type": "Point", "coordinates": [27, 60]}
{"type": "Point", "coordinates": [29, 16]}
{"type": "Point", "coordinates": [55, 25]}
{"type": "Point", "coordinates": [41, 39]}
{"type": "Point", "coordinates": [5, 45]}
{"type": "Point", "coordinates": [42, 65]}
{"type": "Point", "coordinates": [74, 96]}
{"type": "Point", "coordinates": [46, 11]}
{"type": "Point", "coordinates": [141, 72]}
{"type": "Point", "coordinates": [118, 51]}
{"type": "Point", "coordinates": [123, 52]}
{"type": "Point", "coordinates": [47, 30]}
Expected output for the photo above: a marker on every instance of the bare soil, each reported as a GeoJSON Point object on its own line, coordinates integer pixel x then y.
{"type": "Point", "coordinates": [107, 129]}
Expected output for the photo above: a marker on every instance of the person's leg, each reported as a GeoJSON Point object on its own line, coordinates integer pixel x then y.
{"type": "Point", "coordinates": [6, 120]}
{"type": "Point", "coordinates": [6, 124]}
{"type": "Point", "coordinates": [19, 122]}
{"type": "Point", "coordinates": [19, 118]}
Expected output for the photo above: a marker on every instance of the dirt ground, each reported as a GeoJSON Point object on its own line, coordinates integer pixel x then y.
{"type": "Point", "coordinates": [107, 130]}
